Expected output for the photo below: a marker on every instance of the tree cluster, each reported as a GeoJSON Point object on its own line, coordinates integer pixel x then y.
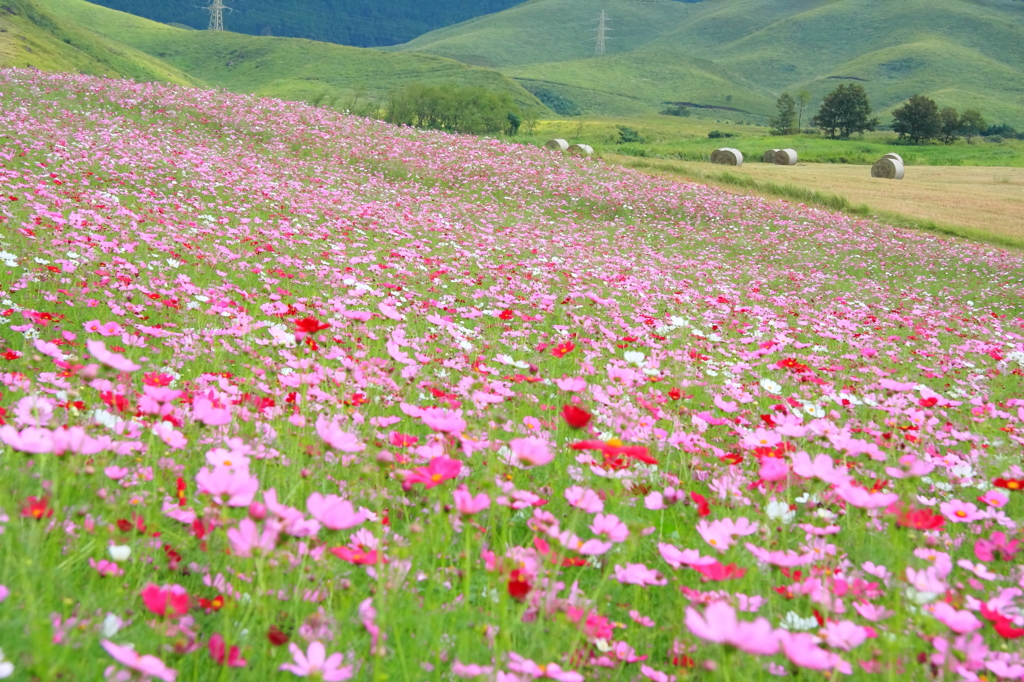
{"type": "Point", "coordinates": [474, 111]}
{"type": "Point", "coordinates": [845, 111]}
{"type": "Point", "coordinates": [920, 120]}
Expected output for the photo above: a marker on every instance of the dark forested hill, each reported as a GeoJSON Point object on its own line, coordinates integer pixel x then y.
{"type": "Point", "coordinates": [364, 23]}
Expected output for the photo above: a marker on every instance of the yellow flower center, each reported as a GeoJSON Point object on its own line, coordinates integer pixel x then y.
{"type": "Point", "coordinates": [614, 442]}
{"type": "Point", "coordinates": [436, 478]}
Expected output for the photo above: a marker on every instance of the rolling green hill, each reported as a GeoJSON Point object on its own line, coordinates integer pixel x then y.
{"type": "Point", "coordinates": [743, 53]}
{"type": "Point", "coordinates": [74, 35]}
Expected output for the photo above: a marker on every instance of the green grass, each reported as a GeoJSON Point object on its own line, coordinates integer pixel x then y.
{"type": "Point", "coordinates": [73, 35]}
{"type": "Point", "coordinates": [964, 53]}
{"type": "Point", "coordinates": [686, 139]}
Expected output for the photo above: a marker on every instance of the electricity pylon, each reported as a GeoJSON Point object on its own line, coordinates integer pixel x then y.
{"type": "Point", "coordinates": [216, 10]}
{"type": "Point", "coordinates": [602, 29]}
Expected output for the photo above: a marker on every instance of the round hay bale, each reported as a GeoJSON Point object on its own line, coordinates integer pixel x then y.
{"type": "Point", "coordinates": [581, 150]}
{"type": "Point", "coordinates": [889, 169]}
{"type": "Point", "coordinates": [893, 155]}
{"type": "Point", "coordinates": [786, 157]}
{"type": "Point", "coordinates": [769, 156]}
{"type": "Point", "coordinates": [557, 145]}
{"type": "Point", "coordinates": [727, 156]}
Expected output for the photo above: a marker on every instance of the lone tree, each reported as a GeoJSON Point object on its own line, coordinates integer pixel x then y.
{"type": "Point", "coordinates": [971, 124]}
{"type": "Point", "coordinates": [845, 111]}
{"type": "Point", "coordinates": [785, 123]}
{"type": "Point", "coordinates": [803, 98]}
{"type": "Point", "coordinates": [918, 120]}
{"type": "Point", "coordinates": [949, 125]}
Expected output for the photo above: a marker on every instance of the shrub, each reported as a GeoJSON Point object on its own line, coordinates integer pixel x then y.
{"type": "Point", "coordinates": [560, 104]}
{"type": "Point", "coordinates": [454, 109]}
{"type": "Point", "coordinates": [675, 110]}
{"type": "Point", "coordinates": [627, 135]}
{"type": "Point", "coordinates": [718, 134]}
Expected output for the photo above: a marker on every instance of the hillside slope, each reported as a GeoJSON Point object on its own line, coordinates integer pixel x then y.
{"type": "Point", "coordinates": [74, 35]}
{"type": "Point", "coordinates": [348, 22]}
{"type": "Point", "coordinates": [742, 53]}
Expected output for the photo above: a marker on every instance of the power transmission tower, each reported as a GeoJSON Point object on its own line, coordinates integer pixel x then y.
{"type": "Point", "coordinates": [602, 29]}
{"type": "Point", "coordinates": [216, 10]}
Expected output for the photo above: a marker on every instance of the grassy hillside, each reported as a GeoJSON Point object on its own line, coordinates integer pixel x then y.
{"type": "Point", "coordinates": [34, 35]}
{"type": "Point", "coordinates": [964, 53]}
{"type": "Point", "coordinates": [73, 35]}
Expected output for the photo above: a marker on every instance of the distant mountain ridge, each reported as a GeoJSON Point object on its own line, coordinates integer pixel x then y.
{"type": "Point", "coordinates": [362, 23]}
{"type": "Point", "coordinates": [742, 54]}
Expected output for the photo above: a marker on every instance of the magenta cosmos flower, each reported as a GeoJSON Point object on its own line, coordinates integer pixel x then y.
{"type": "Point", "coordinates": [314, 661]}
{"type": "Point", "coordinates": [439, 470]}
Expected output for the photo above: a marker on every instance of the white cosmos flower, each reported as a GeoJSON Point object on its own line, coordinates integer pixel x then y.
{"type": "Point", "coordinates": [794, 621]}
{"type": "Point", "coordinates": [6, 667]}
{"type": "Point", "coordinates": [119, 552]}
{"type": "Point", "coordinates": [111, 625]}
{"type": "Point", "coordinates": [780, 511]}
{"type": "Point", "coordinates": [634, 357]}
{"type": "Point", "coordinates": [770, 386]}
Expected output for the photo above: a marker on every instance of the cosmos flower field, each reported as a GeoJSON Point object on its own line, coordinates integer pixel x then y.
{"type": "Point", "coordinates": [288, 393]}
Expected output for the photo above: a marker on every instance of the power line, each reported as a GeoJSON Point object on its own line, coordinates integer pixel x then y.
{"type": "Point", "coordinates": [602, 29]}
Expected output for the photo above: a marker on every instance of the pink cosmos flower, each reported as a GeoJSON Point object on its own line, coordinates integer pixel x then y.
{"type": "Point", "coordinates": [98, 350]}
{"type": "Point", "coordinates": [334, 512]}
{"type": "Point", "coordinates": [247, 537]}
{"type": "Point", "coordinates": [531, 451]}
{"type": "Point", "coordinates": [787, 559]}
{"type": "Point", "coordinates": [584, 499]}
{"type": "Point", "coordinates": [638, 574]}
{"type": "Point", "coordinates": [655, 501]}
{"type": "Point", "coordinates": [116, 473]}
{"type": "Point", "coordinates": [773, 469]}
{"type": "Point", "coordinates": [239, 487]}
{"type": "Point", "coordinates": [995, 498]}
{"type": "Point", "coordinates": [610, 526]}
{"type": "Point", "coordinates": [470, 670]}
{"type": "Point", "coordinates": [677, 558]}
{"type": "Point", "coordinates": [957, 621]}
{"type": "Point", "coordinates": [802, 649]}
{"type": "Point", "coordinates": [439, 470]}
{"type": "Point", "coordinates": [656, 675]}
{"type": "Point", "coordinates": [822, 467]}
{"type": "Point", "coordinates": [571, 384]}
{"type": "Point", "coordinates": [170, 600]}
{"type": "Point", "coordinates": [719, 624]}
{"type": "Point", "coordinates": [466, 503]}
{"type": "Point", "coordinates": [4, 593]}
{"type": "Point", "coordinates": [865, 499]}
{"type": "Point", "coordinates": [719, 534]}
{"type": "Point", "coordinates": [959, 511]}
{"type": "Point", "coordinates": [105, 568]}
{"type": "Point", "coordinates": [442, 420]}
{"type": "Point", "coordinates": [205, 411]}
{"type": "Point", "coordinates": [316, 662]}
{"type": "Point", "coordinates": [331, 434]}
{"type": "Point", "coordinates": [845, 635]}
{"type": "Point", "coordinates": [551, 671]}
{"type": "Point", "coordinates": [144, 665]}
{"type": "Point", "coordinates": [871, 612]}
{"type": "Point", "coordinates": [33, 440]}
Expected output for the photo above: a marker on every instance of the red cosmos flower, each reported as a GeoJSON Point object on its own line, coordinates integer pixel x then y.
{"type": "Point", "coordinates": [793, 365]}
{"type": "Point", "coordinates": [1009, 483]}
{"type": "Point", "coordinates": [157, 379]}
{"type": "Point", "coordinates": [169, 600]}
{"type": "Point", "coordinates": [11, 355]}
{"type": "Point", "coordinates": [277, 636]}
{"type": "Point", "coordinates": [919, 519]}
{"type": "Point", "coordinates": [575, 417]}
{"type": "Point", "coordinates": [563, 349]}
{"type": "Point", "coordinates": [180, 484]}
{"type": "Point", "coordinates": [675, 394]}
{"type": "Point", "coordinates": [355, 556]}
{"type": "Point", "coordinates": [518, 585]}
{"type": "Point", "coordinates": [310, 325]}
{"type": "Point", "coordinates": [703, 508]}
{"type": "Point", "coordinates": [217, 651]}
{"type": "Point", "coordinates": [214, 604]}
{"type": "Point", "coordinates": [928, 402]}
{"type": "Point", "coordinates": [125, 526]}
{"type": "Point", "coordinates": [1002, 625]}
{"type": "Point", "coordinates": [717, 572]}
{"type": "Point", "coordinates": [506, 314]}
{"type": "Point", "coordinates": [37, 508]}
{"type": "Point", "coordinates": [614, 448]}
